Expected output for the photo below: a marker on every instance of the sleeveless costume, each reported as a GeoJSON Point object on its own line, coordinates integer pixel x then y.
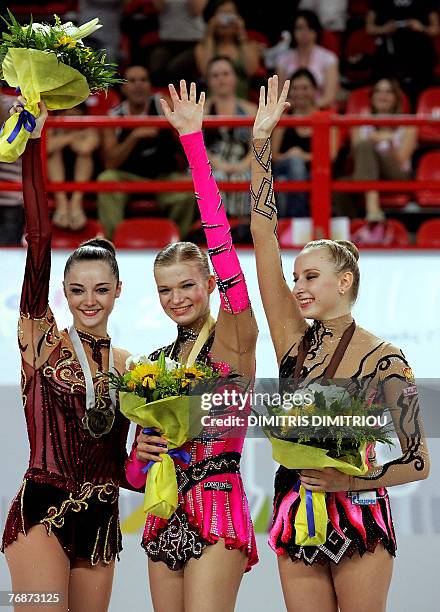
{"type": "Point", "coordinates": [373, 369]}
{"type": "Point", "coordinates": [212, 501]}
{"type": "Point", "coordinates": [72, 483]}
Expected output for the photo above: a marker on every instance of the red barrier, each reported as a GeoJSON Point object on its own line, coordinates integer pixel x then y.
{"type": "Point", "coordinates": [320, 187]}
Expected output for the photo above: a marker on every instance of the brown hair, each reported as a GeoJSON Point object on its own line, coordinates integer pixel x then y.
{"type": "Point", "coordinates": [97, 249]}
{"type": "Point", "coordinates": [394, 84]}
{"type": "Point", "coordinates": [345, 255]}
{"type": "Point", "coordinates": [183, 251]}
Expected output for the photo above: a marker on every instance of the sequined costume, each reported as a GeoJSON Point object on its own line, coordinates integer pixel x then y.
{"type": "Point", "coordinates": [72, 483]}
{"type": "Point", "coordinates": [212, 501]}
{"type": "Point", "coordinates": [373, 369]}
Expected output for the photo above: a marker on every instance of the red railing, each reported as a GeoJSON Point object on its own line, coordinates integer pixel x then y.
{"type": "Point", "coordinates": [320, 186]}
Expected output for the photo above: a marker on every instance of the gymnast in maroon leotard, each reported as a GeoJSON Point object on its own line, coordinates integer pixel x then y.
{"type": "Point", "coordinates": [63, 522]}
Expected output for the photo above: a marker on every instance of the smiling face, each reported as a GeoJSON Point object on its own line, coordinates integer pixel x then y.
{"type": "Point", "coordinates": [322, 293]}
{"type": "Point", "coordinates": [302, 93]}
{"type": "Point", "coordinates": [91, 289]}
{"type": "Point", "coordinates": [184, 291]}
{"type": "Point", "coordinates": [384, 97]}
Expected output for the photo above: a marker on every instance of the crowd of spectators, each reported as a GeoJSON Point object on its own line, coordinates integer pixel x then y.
{"type": "Point", "coordinates": [321, 45]}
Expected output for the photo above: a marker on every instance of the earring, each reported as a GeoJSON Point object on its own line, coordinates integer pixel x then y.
{"type": "Point", "coordinates": [341, 291]}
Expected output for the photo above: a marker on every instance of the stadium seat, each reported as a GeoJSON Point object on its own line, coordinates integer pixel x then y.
{"type": "Point", "coordinates": [429, 104]}
{"type": "Point", "coordinates": [429, 170]}
{"type": "Point", "coordinates": [358, 50]}
{"type": "Point", "coordinates": [428, 234]}
{"type": "Point", "coordinates": [145, 234]}
{"type": "Point", "coordinates": [100, 104]}
{"type": "Point", "coordinates": [142, 207]}
{"type": "Point", "coordinates": [284, 231]}
{"type": "Point", "coordinates": [358, 102]}
{"type": "Point", "coordinates": [394, 234]}
{"type": "Point", "coordinates": [331, 41]}
{"type": "Point", "coordinates": [67, 239]}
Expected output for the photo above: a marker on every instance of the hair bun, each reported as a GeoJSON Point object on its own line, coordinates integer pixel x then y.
{"type": "Point", "coordinates": [350, 246]}
{"type": "Point", "coordinates": [100, 243]}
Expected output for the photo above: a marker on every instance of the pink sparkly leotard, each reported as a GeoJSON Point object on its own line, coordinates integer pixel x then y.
{"type": "Point", "coordinates": [212, 501]}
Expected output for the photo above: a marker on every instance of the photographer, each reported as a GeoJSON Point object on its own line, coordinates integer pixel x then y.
{"type": "Point", "coordinates": [226, 36]}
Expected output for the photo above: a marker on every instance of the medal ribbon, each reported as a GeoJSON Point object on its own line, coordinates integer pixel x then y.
{"type": "Point", "coordinates": [82, 358]}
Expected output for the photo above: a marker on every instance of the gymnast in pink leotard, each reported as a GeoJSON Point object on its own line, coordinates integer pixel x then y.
{"type": "Point", "coordinates": [197, 557]}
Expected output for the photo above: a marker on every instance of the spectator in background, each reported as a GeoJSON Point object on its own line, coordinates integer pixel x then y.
{"type": "Point", "coordinates": [226, 35]}
{"type": "Point", "coordinates": [382, 152]}
{"type": "Point", "coordinates": [181, 27]}
{"type": "Point", "coordinates": [291, 146]}
{"type": "Point", "coordinates": [331, 13]}
{"type": "Point", "coordinates": [138, 154]}
{"type": "Point", "coordinates": [70, 152]}
{"type": "Point", "coordinates": [11, 202]}
{"type": "Point", "coordinates": [406, 51]}
{"type": "Point", "coordinates": [229, 149]}
{"type": "Point", "coordinates": [109, 13]}
{"type": "Point", "coordinates": [306, 53]}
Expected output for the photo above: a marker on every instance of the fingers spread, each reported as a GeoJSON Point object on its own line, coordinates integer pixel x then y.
{"type": "Point", "coordinates": [192, 92]}
{"type": "Point", "coordinates": [173, 94]}
{"type": "Point", "coordinates": [166, 109]}
{"type": "Point", "coordinates": [202, 99]}
{"type": "Point", "coordinates": [183, 90]}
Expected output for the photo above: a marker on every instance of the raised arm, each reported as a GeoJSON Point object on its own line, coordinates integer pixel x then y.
{"type": "Point", "coordinates": [286, 322]}
{"type": "Point", "coordinates": [37, 332]}
{"type": "Point", "coordinates": [236, 329]}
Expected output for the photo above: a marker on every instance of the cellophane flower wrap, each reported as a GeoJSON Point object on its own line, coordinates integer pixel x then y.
{"type": "Point", "coordinates": [49, 63]}
{"type": "Point", "coordinates": [319, 446]}
{"type": "Point", "coordinates": [163, 395]}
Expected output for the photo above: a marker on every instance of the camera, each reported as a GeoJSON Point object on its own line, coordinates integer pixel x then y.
{"type": "Point", "coordinates": [226, 19]}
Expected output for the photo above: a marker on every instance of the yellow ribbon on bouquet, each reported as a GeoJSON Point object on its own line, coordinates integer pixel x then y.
{"type": "Point", "coordinates": [311, 518]}
{"type": "Point", "coordinates": [178, 419]}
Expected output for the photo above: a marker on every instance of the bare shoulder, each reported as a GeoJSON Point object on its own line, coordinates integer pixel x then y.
{"type": "Point", "coordinates": [372, 342]}
{"type": "Point", "coordinates": [121, 355]}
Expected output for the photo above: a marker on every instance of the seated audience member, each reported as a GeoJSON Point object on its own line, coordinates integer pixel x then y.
{"type": "Point", "coordinates": [134, 154]}
{"type": "Point", "coordinates": [70, 157]}
{"type": "Point", "coordinates": [226, 35]}
{"type": "Point", "coordinates": [291, 146]}
{"type": "Point", "coordinates": [331, 13]}
{"type": "Point", "coordinates": [307, 53]}
{"type": "Point", "coordinates": [11, 202]}
{"type": "Point", "coordinates": [229, 148]}
{"type": "Point", "coordinates": [406, 50]}
{"type": "Point", "coordinates": [381, 152]}
{"type": "Point", "coordinates": [181, 27]}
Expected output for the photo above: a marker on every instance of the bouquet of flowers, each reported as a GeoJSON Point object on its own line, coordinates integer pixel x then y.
{"type": "Point", "coordinates": [163, 395]}
{"type": "Point", "coordinates": [49, 63]}
{"type": "Point", "coordinates": [331, 428]}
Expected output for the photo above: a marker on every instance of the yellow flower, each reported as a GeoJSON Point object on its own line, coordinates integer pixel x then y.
{"type": "Point", "coordinates": [149, 382]}
{"type": "Point", "coordinates": [194, 372]}
{"type": "Point", "coordinates": [66, 40]}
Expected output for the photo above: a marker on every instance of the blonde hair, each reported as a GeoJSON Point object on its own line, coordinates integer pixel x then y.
{"type": "Point", "coordinates": [345, 255]}
{"type": "Point", "coordinates": [183, 251]}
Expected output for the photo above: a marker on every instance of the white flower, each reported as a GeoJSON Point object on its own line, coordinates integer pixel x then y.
{"type": "Point", "coordinates": [331, 393]}
{"type": "Point", "coordinates": [85, 30]}
{"type": "Point", "coordinates": [134, 360]}
{"type": "Point", "coordinates": [170, 364]}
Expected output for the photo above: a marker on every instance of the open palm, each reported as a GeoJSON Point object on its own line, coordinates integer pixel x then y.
{"type": "Point", "coordinates": [271, 108]}
{"type": "Point", "coordinates": [187, 113]}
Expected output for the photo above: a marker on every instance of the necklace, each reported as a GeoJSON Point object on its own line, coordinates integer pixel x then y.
{"type": "Point", "coordinates": [98, 418]}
